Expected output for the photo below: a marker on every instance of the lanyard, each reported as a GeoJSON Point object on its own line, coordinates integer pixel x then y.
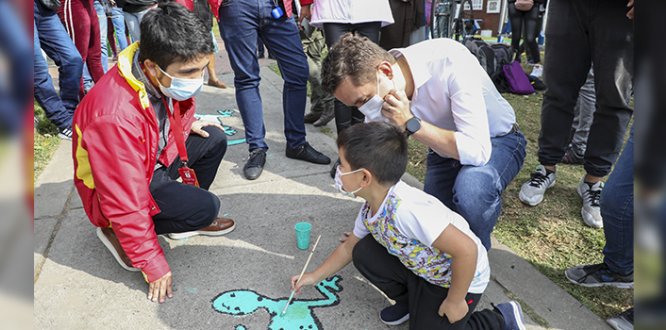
{"type": "Point", "coordinates": [187, 174]}
{"type": "Point", "coordinates": [175, 121]}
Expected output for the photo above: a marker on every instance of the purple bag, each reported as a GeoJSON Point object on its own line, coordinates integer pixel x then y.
{"type": "Point", "coordinates": [517, 79]}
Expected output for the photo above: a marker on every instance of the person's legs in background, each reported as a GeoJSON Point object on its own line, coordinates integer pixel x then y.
{"type": "Point", "coordinates": [241, 24]}
{"type": "Point", "coordinates": [617, 210]}
{"type": "Point", "coordinates": [212, 75]}
{"type": "Point", "coordinates": [531, 21]}
{"type": "Point", "coordinates": [583, 115]}
{"type": "Point", "coordinates": [283, 41]}
{"type": "Point", "coordinates": [133, 21]}
{"type": "Point", "coordinates": [104, 56]}
{"type": "Point", "coordinates": [516, 19]}
{"type": "Point", "coordinates": [566, 64]}
{"type": "Point", "coordinates": [50, 35]}
{"type": "Point", "coordinates": [118, 20]}
{"type": "Point", "coordinates": [14, 95]}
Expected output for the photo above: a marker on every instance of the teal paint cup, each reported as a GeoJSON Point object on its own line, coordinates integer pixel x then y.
{"type": "Point", "coordinates": [303, 230]}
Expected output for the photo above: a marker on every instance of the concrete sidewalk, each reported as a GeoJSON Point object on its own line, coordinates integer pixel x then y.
{"type": "Point", "coordinates": [79, 285]}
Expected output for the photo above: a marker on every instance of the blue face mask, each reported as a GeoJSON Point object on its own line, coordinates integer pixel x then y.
{"type": "Point", "coordinates": [181, 88]}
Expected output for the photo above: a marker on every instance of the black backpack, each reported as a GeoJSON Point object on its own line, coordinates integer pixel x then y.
{"type": "Point", "coordinates": [484, 53]}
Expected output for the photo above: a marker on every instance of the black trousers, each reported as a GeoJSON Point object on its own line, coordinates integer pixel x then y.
{"type": "Point", "coordinates": [184, 207]}
{"type": "Point", "coordinates": [346, 116]}
{"type": "Point", "coordinates": [399, 283]}
{"type": "Point", "coordinates": [581, 33]}
{"type": "Point", "coordinates": [529, 21]}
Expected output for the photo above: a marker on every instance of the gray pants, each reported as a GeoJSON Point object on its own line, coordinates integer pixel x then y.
{"type": "Point", "coordinates": [583, 114]}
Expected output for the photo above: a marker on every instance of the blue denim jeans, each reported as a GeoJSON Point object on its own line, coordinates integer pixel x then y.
{"type": "Point", "coordinates": [15, 47]}
{"type": "Point", "coordinates": [118, 20]}
{"type": "Point", "coordinates": [101, 17]}
{"type": "Point", "coordinates": [133, 21]}
{"type": "Point", "coordinates": [617, 210]}
{"type": "Point", "coordinates": [475, 192]}
{"type": "Point", "coordinates": [50, 35]}
{"type": "Point", "coordinates": [241, 22]}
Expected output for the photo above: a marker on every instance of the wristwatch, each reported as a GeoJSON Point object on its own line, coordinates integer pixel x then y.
{"type": "Point", "coordinates": [412, 125]}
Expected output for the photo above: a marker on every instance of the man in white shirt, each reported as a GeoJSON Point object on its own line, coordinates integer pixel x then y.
{"type": "Point", "coordinates": [437, 91]}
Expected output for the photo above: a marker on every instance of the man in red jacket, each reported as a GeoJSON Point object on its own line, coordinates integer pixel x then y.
{"type": "Point", "coordinates": [131, 142]}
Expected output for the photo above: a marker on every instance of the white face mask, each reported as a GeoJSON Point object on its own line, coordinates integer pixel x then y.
{"type": "Point", "coordinates": [181, 88]}
{"type": "Point", "coordinates": [338, 182]}
{"type": "Point", "coordinates": [372, 109]}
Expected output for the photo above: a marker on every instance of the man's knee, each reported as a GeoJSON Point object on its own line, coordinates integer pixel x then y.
{"type": "Point", "coordinates": [216, 136]}
{"type": "Point", "coordinates": [476, 188]}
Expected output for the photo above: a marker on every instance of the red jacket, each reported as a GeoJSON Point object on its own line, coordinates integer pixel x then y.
{"type": "Point", "coordinates": [114, 148]}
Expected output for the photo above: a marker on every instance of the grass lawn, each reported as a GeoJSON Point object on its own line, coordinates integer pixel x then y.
{"type": "Point", "coordinates": [46, 141]}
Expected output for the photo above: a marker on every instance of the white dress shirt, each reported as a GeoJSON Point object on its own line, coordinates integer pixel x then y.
{"type": "Point", "coordinates": [453, 92]}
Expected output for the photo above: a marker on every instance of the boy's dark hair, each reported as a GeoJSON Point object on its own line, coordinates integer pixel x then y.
{"type": "Point", "coordinates": [171, 33]}
{"type": "Point", "coordinates": [355, 57]}
{"type": "Point", "coordinates": [378, 147]}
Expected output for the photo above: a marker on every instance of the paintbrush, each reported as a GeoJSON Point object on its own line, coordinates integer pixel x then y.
{"type": "Point", "coordinates": [291, 296]}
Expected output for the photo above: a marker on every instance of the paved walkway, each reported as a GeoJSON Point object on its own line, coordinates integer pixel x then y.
{"type": "Point", "coordinates": [77, 283]}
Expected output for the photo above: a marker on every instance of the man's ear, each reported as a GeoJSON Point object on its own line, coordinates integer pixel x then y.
{"type": "Point", "coordinates": [386, 68]}
{"type": "Point", "coordinates": [367, 178]}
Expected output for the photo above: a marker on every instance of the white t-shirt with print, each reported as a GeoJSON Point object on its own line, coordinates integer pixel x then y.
{"type": "Point", "coordinates": [408, 222]}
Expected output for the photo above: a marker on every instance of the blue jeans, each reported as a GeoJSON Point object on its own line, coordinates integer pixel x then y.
{"type": "Point", "coordinates": [240, 24]}
{"type": "Point", "coordinates": [118, 20]}
{"type": "Point", "coordinates": [475, 192]}
{"type": "Point", "coordinates": [50, 35]}
{"type": "Point", "coordinates": [617, 210]}
{"type": "Point", "coordinates": [15, 46]}
{"type": "Point", "coordinates": [133, 21]}
{"type": "Point", "coordinates": [101, 17]}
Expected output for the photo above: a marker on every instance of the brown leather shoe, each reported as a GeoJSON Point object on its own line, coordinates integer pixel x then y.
{"type": "Point", "coordinates": [218, 227]}
{"type": "Point", "coordinates": [216, 83]}
{"type": "Point", "coordinates": [109, 239]}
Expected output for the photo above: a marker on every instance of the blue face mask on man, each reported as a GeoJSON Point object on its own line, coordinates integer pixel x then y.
{"type": "Point", "coordinates": [181, 89]}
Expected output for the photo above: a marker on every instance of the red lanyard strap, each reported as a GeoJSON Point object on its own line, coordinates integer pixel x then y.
{"type": "Point", "coordinates": [177, 128]}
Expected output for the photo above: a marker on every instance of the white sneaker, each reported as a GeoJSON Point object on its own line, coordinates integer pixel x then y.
{"type": "Point", "coordinates": [531, 193]}
{"type": "Point", "coordinates": [537, 71]}
{"type": "Point", "coordinates": [65, 134]}
{"type": "Point", "coordinates": [591, 211]}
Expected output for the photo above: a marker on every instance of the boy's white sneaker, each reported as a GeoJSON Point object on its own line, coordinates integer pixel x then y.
{"type": "Point", "coordinates": [532, 191]}
{"type": "Point", "coordinates": [591, 212]}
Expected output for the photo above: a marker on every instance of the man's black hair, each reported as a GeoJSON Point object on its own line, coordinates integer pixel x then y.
{"type": "Point", "coordinates": [171, 33]}
{"type": "Point", "coordinates": [377, 147]}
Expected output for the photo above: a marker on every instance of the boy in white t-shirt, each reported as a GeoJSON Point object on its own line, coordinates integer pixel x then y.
{"type": "Point", "coordinates": [407, 243]}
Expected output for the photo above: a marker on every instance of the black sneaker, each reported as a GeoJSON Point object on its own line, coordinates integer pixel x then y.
{"type": "Point", "coordinates": [512, 314]}
{"type": "Point", "coordinates": [65, 134]}
{"type": "Point", "coordinates": [624, 321]}
{"type": "Point", "coordinates": [311, 117]}
{"type": "Point", "coordinates": [396, 314]}
{"type": "Point", "coordinates": [307, 153]}
{"type": "Point", "coordinates": [255, 164]}
{"type": "Point", "coordinates": [594, 276]}
{"type": "Point", "coordinates": [573, 156]}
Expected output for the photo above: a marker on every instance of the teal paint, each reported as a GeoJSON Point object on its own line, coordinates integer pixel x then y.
{"type": "Point", "coordinates": [300, 314]}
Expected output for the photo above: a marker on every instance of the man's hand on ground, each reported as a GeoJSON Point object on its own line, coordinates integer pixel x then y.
{"type": "Point", "coordinates": [197, 127]}
{"type": "Point", "coordinates": [160, 289]}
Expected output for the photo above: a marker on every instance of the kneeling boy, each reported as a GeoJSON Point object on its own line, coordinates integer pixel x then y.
{"type": "Point", "coordinates": [407, 243]}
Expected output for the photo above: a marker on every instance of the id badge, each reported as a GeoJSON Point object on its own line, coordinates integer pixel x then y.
{"type": "Point", "coordinates": [188, 176]}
